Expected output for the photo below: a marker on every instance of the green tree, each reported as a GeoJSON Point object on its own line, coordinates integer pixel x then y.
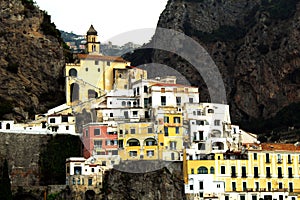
{"type": "Point", "coordinates": [5, 187]}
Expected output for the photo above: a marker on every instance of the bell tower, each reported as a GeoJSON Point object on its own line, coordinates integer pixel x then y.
{"type": "Point", "coordinates": [92, 44]}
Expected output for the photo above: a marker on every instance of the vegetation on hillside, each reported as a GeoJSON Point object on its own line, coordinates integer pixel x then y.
{"type": "Point", "coordinates": [286, 120]}
{"type": "Point", "coordinates": [53, 158]}
{"type": "Point", "coordinates": [5, 186]}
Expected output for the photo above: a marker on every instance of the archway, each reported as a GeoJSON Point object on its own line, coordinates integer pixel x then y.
{"type": "Point", "coordinates": [150, 142]}
{"type": "Point", "coordinates": [92, 94]}
{"type": "Point", "coordinates": [74, 92]}
{"type": "Point", "coordinates": [73, 72]}
{"type": "Point", "coordinates": [133, 142]}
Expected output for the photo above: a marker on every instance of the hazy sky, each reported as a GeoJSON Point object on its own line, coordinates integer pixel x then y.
{"type": "Point", "coordinates": [109, 17]}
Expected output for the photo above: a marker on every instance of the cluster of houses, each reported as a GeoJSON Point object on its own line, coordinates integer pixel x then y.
{"type": "Point", "coordinates": [129, 117]}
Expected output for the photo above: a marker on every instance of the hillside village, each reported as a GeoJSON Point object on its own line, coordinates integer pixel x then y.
{"type": "Point", "coordinates": [122, 117]}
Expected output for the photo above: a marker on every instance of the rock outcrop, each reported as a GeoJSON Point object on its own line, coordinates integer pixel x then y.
{"type": "Point", "coordinates": [255, 45]}
{"type": "Point", "coordinates": [166, 184]}
{"type": "Point", "coordinates": [31, 61]}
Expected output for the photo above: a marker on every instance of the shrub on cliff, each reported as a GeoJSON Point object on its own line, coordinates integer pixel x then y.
{"type": "Point", "coordinates": [5, 186]}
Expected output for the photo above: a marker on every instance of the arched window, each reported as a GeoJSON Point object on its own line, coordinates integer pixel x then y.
{"type": "Point", "coordinates": [129, 104]}
{"type": "Point", "coordinates": [150, 142]}
{"type": "Point", "coordinates": [7, 126]}
{"type": "Point", "coordinates": [123, 103]}
{"type": "Point", "coordinates": [202, 170]}
{"type": "Point", "coordinates": [73, 72]}
{"type": "Point", "coordinates": [133, 142]}
{"type": "Point", "coordinates": [210, 111]}
{"type": "Point", "coordinates": [74, 92]}
{"type": "Point", "coordinates": [0, 125]}
{"type": "Point", "coordinates": [92, 94]}
{"type": "Point", "coordinates": [212, 170]}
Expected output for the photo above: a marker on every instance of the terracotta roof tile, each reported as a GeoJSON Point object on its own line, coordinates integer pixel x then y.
{"type": "Point", "coordinates": [101, 57]}
{"type": "Point", "coordinates": [279, 147]}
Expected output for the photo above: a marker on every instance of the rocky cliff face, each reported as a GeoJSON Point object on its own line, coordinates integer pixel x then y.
{"type": "Point", "coordinates": [166, 183]}
{"type": "Point", "coordinates": [255, 45]}
{"type": "Point", "coordinates": [31, 60]}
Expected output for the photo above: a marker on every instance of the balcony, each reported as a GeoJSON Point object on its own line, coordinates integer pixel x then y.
{"type": "Point", "coordinates": [233, 175]}
{"type": "Point", "coordinates": [279, 161]}
{"type": "Point", "coordinates": [244, 176]}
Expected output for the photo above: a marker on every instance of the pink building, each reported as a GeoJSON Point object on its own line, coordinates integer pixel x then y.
{"type": "Point", "coordinates": [100, 139]}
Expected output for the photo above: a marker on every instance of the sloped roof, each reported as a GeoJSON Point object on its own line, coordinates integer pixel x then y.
{"type": "Point", "coordinates": [101, 57]}
{"type": "Point", "coordinates": [92, 31]}
{"type": "Point", "coordinates": [279, 147]}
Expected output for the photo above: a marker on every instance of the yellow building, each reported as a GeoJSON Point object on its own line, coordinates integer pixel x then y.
{"type": "Point", "coordinates": [93, 73]}
{"type": "Point", "coordinates": [137, 141]}
{"type": "Point", "coordinates": [267, 171]}
{"type": "Point", "coordinates": [170, 133]}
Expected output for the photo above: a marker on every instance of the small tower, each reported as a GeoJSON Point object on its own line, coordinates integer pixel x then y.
{"type": "Point", "coordinates": [92, 44]}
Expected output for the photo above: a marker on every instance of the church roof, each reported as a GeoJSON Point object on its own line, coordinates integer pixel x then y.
{"type": "Point", "coordinates": [92, 31]}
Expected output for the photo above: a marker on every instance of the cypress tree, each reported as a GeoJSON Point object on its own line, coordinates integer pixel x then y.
{"type": "Point", "coordinates": [5, 186]}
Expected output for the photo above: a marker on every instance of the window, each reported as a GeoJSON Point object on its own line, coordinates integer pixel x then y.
{"type": "Point", "coordinates": [145, 89]}
{"type": "Point", "coordinates": [280, 186]}
{"type": "Point", "coordinates": [242, 197]}
{"type": "Point", "coordinates": [111, 114]}
{"type": "Point", "coordinates": [166, 119]}
{"type": "Point", "coordinates": [279, 158]}
{"type": "Point", "coordinates": [128, 103]}
{"type": "Point", "coordinates": [256, 172]}
{"type": "Point", "coordinates": [173, 145]}
{"type": "Point", "coordinates": [192, 171]}
{"type": "Point", "coordinates": [123, 103]}
{"type": "Point", "coordinates": [163, 100]}
{"type": "Point", "coordinates": [150, 130]}
{"type": "Point", "coordinates": [290, 171]}
{"type": "Point", "coordinates": [176, 120]}
{"type": "Point", "coordinates": [291, 188]}
{"type": "Point", "coordinates": [86, 133]}
{"type": "Point", "coordinates": [73, 72]}
{"type": "Point", "coordinates": [255, 156]}
{"type": "Point", "coordinates": [77, 170]}
{"type": "Point", "coordinates": [52, 120]}
{"type": "Point", "coordinates": [150, 153]}
{"type": "Point", "coordinates": [166, 131]}
{"type": "Point", "coordinates": [233, 186]}
{"type": "Point", "coordinates": [268, 172]}
{"type": "Point", "coordinates": [244, 186]}
{"type": "Point", "coordinates": [108, 63]}
{"type": "Point", "coordinates": [289, 159]}
{"type": "Point", "coordinates": [254, 197]}
{"type": "Point", "coordinates": [244, 172]}
{"type": "Point", "coordinates": [226, 197]}
{"type": "Point", "coordinates": [191, 187]}
{"type": "Point", "coordinates": [92, 169]}
{"type": "Point", "coordinates": [256, 186]}
{"type": "Point", "coordinates": [178, 101]}
{"type": "Point", "coordinates": [177, 130]}
{"type": "Point", "coordinates": [217, 122]}
{"type": "Point", "coordinates": [96, 131]}
{"type": "Point", "coordinates": [99, 70]}
{"type": "Point", "coordinates": [201, 185]}
{"type": "Point", "coordinates": [279, 172]}
{"type": "Point", "coordinates": [64, 118]}
{"type": "Point", "coordinates": [222, 169]}
{"type": "Point", "coordinates": [86, 69]}
{"type": "Point", "coordinates": [132, 153]}
{"type": "Point", "coordinates": [191, 100]}
{"type": "Point", "coordinates": [269, 186]}
{"type": "Point", "coordinates": [233, 172]}
{"type": "Point", "coordinates": [96, 62]}
{"type": "Point", "coordinates": [134, 113]}
{"type": "Point", "coordinates": [162, 90]}
{"type": "Point", "coordinates": [132, 131]}
{"type": "Point", "coordinates": [202, 170]}
{"type": "Point", "coordinates": [67, 128]}
{"type": "Point", "coordinates": [138, 91]}
{"type": "Point", "coordinates": [267, 158]}
{"type": "Point", "coordinates": [90, 181]}
{"type": "Point", "coordinates": [212, 170]}
{"type": "Point", "coordinates": [97, 144]}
